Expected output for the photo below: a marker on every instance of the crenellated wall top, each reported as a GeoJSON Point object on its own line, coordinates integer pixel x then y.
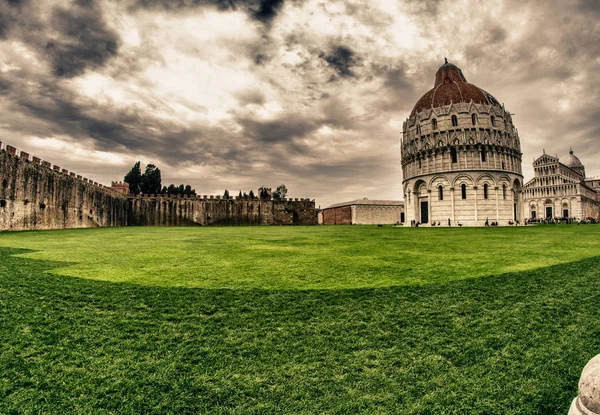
{"type": "Point", "coordinates": [215, 198]}
{"type": "Point", "coordinates": [13, 151]}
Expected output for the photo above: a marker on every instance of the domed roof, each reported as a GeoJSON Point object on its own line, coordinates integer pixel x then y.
{"type": "Point", "coordinates": [452, 86]}
{"type": "Point", "coordinates": [572, 160]}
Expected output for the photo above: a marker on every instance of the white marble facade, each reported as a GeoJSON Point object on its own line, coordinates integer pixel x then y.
{"type": "Point", "coordinates": [461, 161]}
{"type": "Point", "coordinates": [560, 190]}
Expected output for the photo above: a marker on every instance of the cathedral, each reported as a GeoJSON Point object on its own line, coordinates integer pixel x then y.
{"type": "Point", "coordinates": [561, 190]}
{"type": "Point", "coordinates": [461, 157]}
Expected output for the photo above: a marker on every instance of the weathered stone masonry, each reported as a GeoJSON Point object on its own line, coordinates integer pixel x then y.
{"type": "Point", "coordinates": [165, 211]}
{"type": "Point", "coordinates": [35, 194]}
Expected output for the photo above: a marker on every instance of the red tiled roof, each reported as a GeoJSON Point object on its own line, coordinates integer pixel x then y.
{"type": "Point", "coordinates": [451, 86]}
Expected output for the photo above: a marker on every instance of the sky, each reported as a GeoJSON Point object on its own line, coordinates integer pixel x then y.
{"type": "Point", "coordinates": [237, 94]}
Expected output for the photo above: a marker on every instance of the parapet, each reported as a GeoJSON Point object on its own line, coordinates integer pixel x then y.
{"type": "Point", "coordinates": [204, 198]}
{"type": "Point", "coordinates": [120, 187]}
{"type": "Point", "coordinates": [45, 164]}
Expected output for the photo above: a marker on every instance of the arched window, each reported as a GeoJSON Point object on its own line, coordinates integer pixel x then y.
{"type": "Point", "coordinates": [454, 121]}
{"type": "Point", "coordinates": [453, 155]}
{"type": "Point", "coordinates": [418, 129]}
{"type": "Point", "coordinates": [420, 163]}
{"type": "Point", "coordinates": [474, 119]}
{"type": "Point", "coordinates": [503, 191]}
{"type": "Point", "coordinates": [493, 121]}
{"type": "Point", "coordinates": [463, 191]}
{"type": "Point", "coordinates": [434, 124]}
{"type": "Point", "coordinates": [483, 155]}
{"type": "Point", "coordinates": [485, 191]}
{"type": "Point", "coordinates": [440, 192]}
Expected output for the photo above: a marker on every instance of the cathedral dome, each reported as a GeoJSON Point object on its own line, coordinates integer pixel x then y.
{"type": "Point", "coordinates": [573, 161]}
{"type": "Point", "coordinates": [451, 86]}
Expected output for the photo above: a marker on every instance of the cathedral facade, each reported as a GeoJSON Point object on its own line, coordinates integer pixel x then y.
{"type": "Point", "coordinates": [561, 190]}
{"type": "Point", "coordinates": [461, 157]}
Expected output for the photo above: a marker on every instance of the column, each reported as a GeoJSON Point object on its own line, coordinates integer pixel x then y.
{"type": "Point", "coordinates": [476, 209]}
{"type": "Point", "coordinates": [497, 206]}
{"type": "Point", "coordinates": [429, 205]}
{"type": "Point", "coordinates": [452, 198]}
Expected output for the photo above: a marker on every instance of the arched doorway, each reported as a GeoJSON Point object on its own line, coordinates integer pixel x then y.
{"type": "Point", "coordinates": [421, 202]}
{"type": "Point", "coordinates": [548, 209]}
{"type": "Point", "coordinates": [533, 211]}
{"type": "Point", "coordinates": [565, 210]}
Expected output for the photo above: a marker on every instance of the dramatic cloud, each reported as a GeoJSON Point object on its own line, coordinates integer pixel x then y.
{"type": "Point", "coordinates": [341, 60]}
{"type": "Point", "coordinates": [83, 41]}
{"type": "Point", "coordinates": [235, 94]}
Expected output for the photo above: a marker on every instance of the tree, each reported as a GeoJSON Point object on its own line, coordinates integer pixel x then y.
{"type": "Point", "coordinates": [134, 178]}
{"type": "Point", "coordinates": [226, 194]}
{"type": "Point", "coordinates": [265, 194]}
{"type": "Point", "coordinates": [251, 195]}
{"type": "Point", "coordinates": [280, 193]}
{"type": "Point", "coordinates": [150, 182]}
{"type": "Point", "coordinates": [240, 196]}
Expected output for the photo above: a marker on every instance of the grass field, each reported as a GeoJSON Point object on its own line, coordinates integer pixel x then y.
{"type": "Point", "coordinates": [297, 319]}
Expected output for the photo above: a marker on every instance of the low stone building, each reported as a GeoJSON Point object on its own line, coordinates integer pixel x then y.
{"type": "Point", "coordinates": [363, 212]}
{"type": "Point", "coordinates": [561, 190]}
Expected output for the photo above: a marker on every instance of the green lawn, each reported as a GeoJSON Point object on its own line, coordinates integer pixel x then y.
{"type": "Point", "coordinates": [297, 319]}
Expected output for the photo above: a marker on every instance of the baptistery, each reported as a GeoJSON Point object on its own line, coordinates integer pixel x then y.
{"type": "Point", "coordinates": [461, 157]}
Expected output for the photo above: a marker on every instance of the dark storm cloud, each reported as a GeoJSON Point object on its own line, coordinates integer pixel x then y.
{"type": "Point", "coordinates": [342, 60]}
{"type": "Point", "coordinates": [268, 9]}
{"type": "Point", "coordinates": [261, 10]}
{"type": "Point", "coordinates": [283, 130]}
{"type": "Point", "coordinates": [83, 42]}
{"type": "Point", "coordinates": [9, 12]}
{"type": "Point", "coordinates": [592, 6]}
{"type": "Point", "coordinates": [57, 111]}
{"type": "Point", "coordinates": [74, 39]}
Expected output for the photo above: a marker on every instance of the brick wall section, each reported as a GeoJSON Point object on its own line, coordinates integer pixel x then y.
{"type": "Point", "coordinates": [33, 196]}
{"type": "Point", "coordinates": [338, 216]}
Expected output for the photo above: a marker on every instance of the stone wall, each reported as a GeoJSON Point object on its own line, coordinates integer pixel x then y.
{"type": "Point", "coordinates": [197, 211]}
{"type": "Point", "coordinates": [376, 215]}
{"type": "Point", "coordinates": [37, 195]}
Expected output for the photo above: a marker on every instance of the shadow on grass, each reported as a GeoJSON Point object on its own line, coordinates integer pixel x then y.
{"type": "Point", "coordinates": [508, 344]}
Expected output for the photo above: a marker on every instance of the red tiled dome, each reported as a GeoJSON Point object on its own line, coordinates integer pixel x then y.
{"type": "Point", "coordinates": [452, 86]}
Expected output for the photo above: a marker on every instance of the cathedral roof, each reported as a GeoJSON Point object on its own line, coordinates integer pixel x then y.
{"type": "Point", "coordinates": [451, 86]}
{"type": "Point", "coordinates": [572, 160]}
